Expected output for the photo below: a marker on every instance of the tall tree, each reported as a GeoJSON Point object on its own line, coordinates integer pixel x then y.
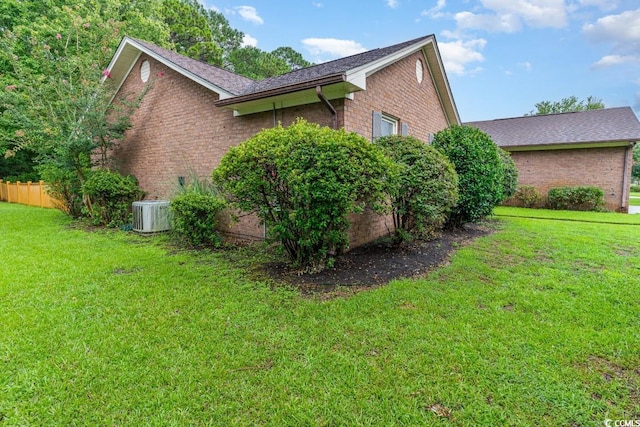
{"type": "Point", "coordinates": [566, 105]}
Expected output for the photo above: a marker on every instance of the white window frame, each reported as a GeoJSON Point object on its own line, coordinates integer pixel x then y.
{"type": "Point", "coordinates": [388, 122]}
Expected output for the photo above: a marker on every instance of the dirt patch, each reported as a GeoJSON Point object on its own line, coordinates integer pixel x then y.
{"type": "Point", "coordinates": [380, 262]}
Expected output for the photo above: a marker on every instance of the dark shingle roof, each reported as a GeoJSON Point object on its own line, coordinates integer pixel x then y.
{"type": "Point", "coordinates": [231, 82]}
{"type": "Point", "coordinates": [606, 125]}
{"type": "Point", "coordinates": [326, 69]}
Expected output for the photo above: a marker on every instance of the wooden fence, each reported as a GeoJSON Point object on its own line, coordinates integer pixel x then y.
{"type": "Point", "coordinates": [26, 193]}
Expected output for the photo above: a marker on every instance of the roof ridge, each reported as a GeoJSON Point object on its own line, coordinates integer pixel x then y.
{"type": "Point", "coordinates": [550, 114]}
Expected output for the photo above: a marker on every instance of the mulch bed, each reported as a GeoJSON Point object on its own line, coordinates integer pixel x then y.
{"type": "Point", "coordinates": [380, 262]}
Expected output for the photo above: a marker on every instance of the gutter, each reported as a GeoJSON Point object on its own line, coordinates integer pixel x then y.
{"type": "Point", "coordinates": [325, 101]}
{"type": "Point", "coordinates": [282, 90]}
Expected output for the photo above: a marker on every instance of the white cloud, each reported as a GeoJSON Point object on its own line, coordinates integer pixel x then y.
{"type": "Point", "coordinates": [393, 3]}
{"type": "Point", "coordinates": [526, 65]}
{"type": "Point", "coordinates": [436, 11]}
{"type": "Point", "coordinates": [494, 23]}
{"type": "Point", "coordinates": [249, 13]}
{"type": "Point", "coordinates": [612, 60]}
{"type": "Point", "coordinates": [622, 30]}
{"type": "Point", "coordinates": [215, 9]}
{"type": "Point", "coordinates": [601, 4]}
{"type": "Point", "coordinates": [334, 47]}
{"type": "Point", "coordinates": [511, 15]}
{"type": "Point", "coordinates": [459, 54]}
{"type": "Point", "coordinates": [247, 40]}
{"type": "Point", "coordinates": [317, 4]}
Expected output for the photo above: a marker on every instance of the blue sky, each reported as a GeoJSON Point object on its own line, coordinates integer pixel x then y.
{"type": "Point", "coordinates": [501, 56]}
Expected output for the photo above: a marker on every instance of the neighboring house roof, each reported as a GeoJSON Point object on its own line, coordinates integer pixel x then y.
{"type": "Point", "coordinates": [591, 128]}
{"type": "Point", "coordinates": [338, 79]}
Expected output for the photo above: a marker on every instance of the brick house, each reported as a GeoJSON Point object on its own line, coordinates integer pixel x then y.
{"type": "Point", "coordinates": [194, 112]}
{"type": "Point", "coordinates": [593, 147]}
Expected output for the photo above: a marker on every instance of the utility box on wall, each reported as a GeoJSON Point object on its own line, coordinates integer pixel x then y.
{"type": "Point", "coordinates": [151, 216]}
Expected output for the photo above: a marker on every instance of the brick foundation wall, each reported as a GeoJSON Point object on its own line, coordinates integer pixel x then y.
{"type": "Point", "coordinates": [599, 167]}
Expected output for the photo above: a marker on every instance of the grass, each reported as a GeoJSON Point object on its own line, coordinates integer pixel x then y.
{"type": "Point", "coordinates": [561, 215]}
{"type": "Point", "coordinates": [634, 199]}
{"type": "Point", "coordinates": [536, 324]}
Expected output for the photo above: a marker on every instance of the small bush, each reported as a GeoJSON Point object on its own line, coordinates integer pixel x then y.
{"type": "Point", "coordinates": [576, 198]}
{"type": "Point", "coordinates": [427, 186]}
{"type": "Point", "coordinates": [195, 217]}
{"type": "Point", "coordinates": [65, 188]}
{"type": "Point", "coordinates": [635, 188]}
{"type": "Point", "coordinates": [527, 196]}
{"type": "Point", "coordinates": [480, 172]}
{"type": "Point", "coordinates": [510, 180]}
{"type": "Point", "coordinates": [108, 197]}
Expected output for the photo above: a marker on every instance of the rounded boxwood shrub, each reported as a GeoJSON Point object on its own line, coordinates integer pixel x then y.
{"type": "Point", "coordinates": [108, 197]}
{"type": "Point", "coordinates": [303, 181]}
{"type": "Point", "coordinates": [426, 189]}
{"type": "Point", "coordinates": [194, 217]}
{"type": "Point", "coordinates": [580, 198]}
{"type": "Point", "coordinates": [476, 159]}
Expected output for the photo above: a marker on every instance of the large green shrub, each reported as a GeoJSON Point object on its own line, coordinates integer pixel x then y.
{"type": "Point", "coordinates": [108, 197]}
{"type": "Point", "coordinates": [194, 216]}
{"type": "Point", "coordinates": [480, 172]}
{"type": "Point", "coordinates": [510, 179]}
{"type": "Point", "coordinates": [303, 181]}
{"type": "Point", "coordinates": [427, 186]}
{"type": "Point", "coordinates": [580, 198]}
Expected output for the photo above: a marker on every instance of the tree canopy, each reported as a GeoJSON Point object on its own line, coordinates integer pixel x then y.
{"type": "Point", "coordinates": [53, 55]}
{"type": "Point", "coordinates": [566, 105]}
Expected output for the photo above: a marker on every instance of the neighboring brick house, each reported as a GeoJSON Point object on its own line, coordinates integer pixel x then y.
{"type": "Point", "coordinates": [590, 148]}
{"type": "Point", "coordinates": [195, 112]}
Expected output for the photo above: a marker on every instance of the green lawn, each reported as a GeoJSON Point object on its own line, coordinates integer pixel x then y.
{"type": "Point", "coordinates": [536, 324]}
{"type": "Point", "coordinates": [634, 199]}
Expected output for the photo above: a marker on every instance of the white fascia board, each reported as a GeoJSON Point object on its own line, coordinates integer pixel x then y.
{"type": "Point", "coordinates": [358, 76]}
{"type": "Point", "coordinates": [217, 89]}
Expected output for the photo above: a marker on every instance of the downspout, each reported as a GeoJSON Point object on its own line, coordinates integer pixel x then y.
{"type": "Point", "coordinates": [325, 101]}
{"type": "Point", "coordinates": [625, 180]}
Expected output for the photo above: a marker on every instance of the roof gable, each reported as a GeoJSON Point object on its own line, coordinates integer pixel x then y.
{"type": "Point", "coordinates": [591, 127]}
{"type": "Point", "coordinates": [337, 78]}
{"type": "Point", "coordinates": [223, 82]}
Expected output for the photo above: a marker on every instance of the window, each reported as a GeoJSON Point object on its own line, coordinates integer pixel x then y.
{"type": "Point", "coordinates": [388, 126]}
{"type": "Point", "coordinates": [384, 124]}
{"type": "Point", "coordinates": [145, 70]}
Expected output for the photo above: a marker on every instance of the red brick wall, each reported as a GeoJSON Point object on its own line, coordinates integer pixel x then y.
{"type": "Point", "coordinates": [178, 131]}
{"type": "Point", "coordinates": [599, 167]}
{"type": "Point", "coordinates": [395, 90]}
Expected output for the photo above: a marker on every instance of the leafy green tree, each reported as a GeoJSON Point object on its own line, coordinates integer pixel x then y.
{"type": "Point", "coordinates": [427, 186]}
{"type": "Point", "coordinates": [291, 57]}
{"type": "Point", "coordinates": [190, 32]}
{"type": "Point", "coordinates": [480, 172]}
{"type": "Point", "coordinates": [566, 105]}
{"type": "Point", "coordinates": [303, 181]}
{"type": "Point", "coordinates": [54, 104]}
{"type": "Point", "coordinates": [635, 171]}
{"type": "Point", "coordinates": [257, 64]}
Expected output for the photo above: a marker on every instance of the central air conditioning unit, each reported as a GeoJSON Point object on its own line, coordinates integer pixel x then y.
{"type": "Point", "coordinates": [151, 216]}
